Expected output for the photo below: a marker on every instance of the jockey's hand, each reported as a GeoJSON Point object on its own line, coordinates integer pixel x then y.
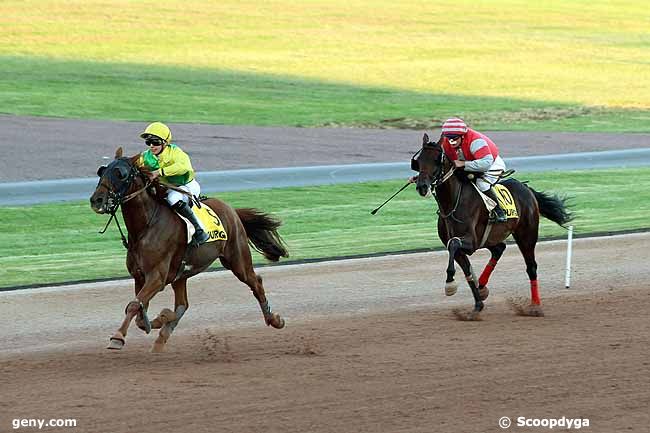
{"type": "Point", "coordinates": [413, 179]}
{"type": "Point", "coordinates": [459, 164]}
{"type": "Point", "coordinates": [153, 175]}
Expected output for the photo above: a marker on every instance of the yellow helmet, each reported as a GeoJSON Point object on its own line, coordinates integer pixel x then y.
{"type": "Point", "coordinates": [159, 130]}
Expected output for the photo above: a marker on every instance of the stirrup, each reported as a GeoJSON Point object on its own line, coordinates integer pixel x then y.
{"type": "Point", "coordinates": [200, 241]}
{"type": "Point", "coordinates": [494, 217]}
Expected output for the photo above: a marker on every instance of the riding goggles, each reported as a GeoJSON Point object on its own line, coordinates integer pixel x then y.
{"type": "Point", "coordinates": [154, 141]}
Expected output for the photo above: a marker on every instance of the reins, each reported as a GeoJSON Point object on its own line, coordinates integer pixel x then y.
{"type": "Point", "coordinates": [196, 200]}
{"type": "Point", "coordinates": [439, 181]}
{"type": "Point", "coordinates": [138, 192]}
{"type": "Point", "coordinates": [117, 221]}
{"type": "Point", "coordinates": [451, 213]}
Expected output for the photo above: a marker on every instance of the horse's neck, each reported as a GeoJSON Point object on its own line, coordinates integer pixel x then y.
{"type": "Point", "coordinates": [448, 191]}
{"type": "Point", "coordinates": [140, 212]}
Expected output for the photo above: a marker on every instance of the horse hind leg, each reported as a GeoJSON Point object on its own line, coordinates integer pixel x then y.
{"type": "Point", "coordinates": [243, 270]}
{"type": "Point", "coordinates": [271, 318]}
{"type": "Point", "coordinates": [527, 247]}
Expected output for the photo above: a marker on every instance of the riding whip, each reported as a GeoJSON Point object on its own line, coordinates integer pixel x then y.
{"type": "Point", "coordinates": [391, 197]}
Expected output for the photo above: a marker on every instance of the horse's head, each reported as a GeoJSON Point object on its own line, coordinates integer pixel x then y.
{"type": "Point", "coordinates": [115, 181]}
{"type": "Point", "coordinates": [428, 162]}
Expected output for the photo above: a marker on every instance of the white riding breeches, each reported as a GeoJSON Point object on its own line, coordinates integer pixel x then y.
{"type": "Point", "coordinates": [492, 175]}
{"type": "Point", "coordinates": [192, 187]}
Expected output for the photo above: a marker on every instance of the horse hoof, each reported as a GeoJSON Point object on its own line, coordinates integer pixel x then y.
{"type": "Point", "coordinates": [534, 310]}
{"type": "Point", "coordinates": [158, 347]}
{"type": "Point", "coordinates": [483, 292]}
{"type": "Point", "coordinates": [276, 321]}
{"type": "Point", "coordinates": [166, 316]}
{"type": "Point", "coordinates": [116, 342]}
{"type": "Point", "coordinates": [451, 288]}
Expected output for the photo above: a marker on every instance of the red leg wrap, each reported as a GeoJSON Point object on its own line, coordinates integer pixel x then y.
{"type": "Point", "coordinates": [485, 275]}
{"type": "Point", "coordinates": [534, 292]}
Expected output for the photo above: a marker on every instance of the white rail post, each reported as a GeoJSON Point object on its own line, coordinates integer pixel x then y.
{"type": "Point", "coordinates": [567, 275]}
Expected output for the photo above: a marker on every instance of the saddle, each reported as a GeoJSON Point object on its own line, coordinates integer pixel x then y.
{"type": "Point", "coordinates": [210, 221]}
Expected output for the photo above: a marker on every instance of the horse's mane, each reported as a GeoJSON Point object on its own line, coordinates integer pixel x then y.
{"type": "Point", "coordinates": [463, 176]}
{"type": "Point", "coordinates": [156, 190]}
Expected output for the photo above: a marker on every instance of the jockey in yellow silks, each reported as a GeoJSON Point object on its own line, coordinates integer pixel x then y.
{"type": "Point", "coordinates": [166, 161]}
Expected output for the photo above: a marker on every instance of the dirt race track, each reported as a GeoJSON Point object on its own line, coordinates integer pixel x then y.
{"type": "Point", "coordinates": [370, 346]}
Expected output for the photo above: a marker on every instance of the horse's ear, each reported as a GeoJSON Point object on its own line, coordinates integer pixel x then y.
{"type": "Point", "coordinates": [118, 152]}
{"type": "Point", "coordinates": [101, 170]}
{"type": "Point", "coordinates": [425, 138]}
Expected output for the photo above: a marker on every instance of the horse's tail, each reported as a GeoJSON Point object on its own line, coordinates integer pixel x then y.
{"type": "Point", "coordinates": [262, 232]}
{"type": "Point", "coordinates": [553, 207]}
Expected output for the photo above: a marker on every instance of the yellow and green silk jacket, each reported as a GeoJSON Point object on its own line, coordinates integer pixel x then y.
{"type": "Point", "coordinates": [175, 165]}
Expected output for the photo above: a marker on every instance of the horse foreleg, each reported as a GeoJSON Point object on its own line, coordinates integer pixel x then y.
{"type": "Point", "coordinates": [451, 286]}
{"type": "Point", "coordinates": [136, 307]}
{"type": "Point", "coordinates": [465, 264]}
{"type": "Point", "coordinates": [497, 252]}
{"type": "Point", "coordinates": [167, 319]}
{"type": "Point", "coordinates": [118, 339]}
{"type": "Point", "coordinates": [139, 319]}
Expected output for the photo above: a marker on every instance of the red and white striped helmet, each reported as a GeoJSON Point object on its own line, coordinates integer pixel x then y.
{"type": "Point", "coordinates": [454, 126]}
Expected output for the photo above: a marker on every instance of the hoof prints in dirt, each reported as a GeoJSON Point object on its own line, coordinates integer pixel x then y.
{"type": "Point", "coordinates": [229, 348]}
{"type": "Point", "coordinates": [466, 316]}
{"type": "Point", "coordinates": [522, 307]}
{"type": "Point", "coordinates": [304, 346]}
{"type": "Point", "coordinates": [216, 348]}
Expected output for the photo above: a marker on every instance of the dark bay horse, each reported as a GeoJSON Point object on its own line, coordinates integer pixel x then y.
{"type": "Point", "coordinates": [158, 252]}
{"type": "Point", "coordinates": [464, 225]}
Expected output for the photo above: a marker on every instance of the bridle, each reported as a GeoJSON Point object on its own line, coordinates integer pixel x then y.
{"type": "Point", "coordinates": [439, 177]}
{"type": "Point", "coordinates": [117, 198]}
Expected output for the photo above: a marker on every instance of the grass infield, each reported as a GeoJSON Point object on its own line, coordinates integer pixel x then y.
{"type": "Point", "coordinates": [561, 65]}
{"type": "Point", "coordinates": [48, 244]}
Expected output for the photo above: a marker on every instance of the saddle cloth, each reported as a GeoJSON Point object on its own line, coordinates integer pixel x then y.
{"type": "Point", "coordinates": [505, 200]}
{"type": "Point", "coordinates": [210, 223]}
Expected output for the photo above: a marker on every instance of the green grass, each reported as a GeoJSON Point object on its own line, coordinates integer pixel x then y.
{"type": "Point", "coordinates": [118, 91]}
{"type": "Point", "coordinates": [54, 243]}
{"type": "Point", "coordinates": [564, 65]}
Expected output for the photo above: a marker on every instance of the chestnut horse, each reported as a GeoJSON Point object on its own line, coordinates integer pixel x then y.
{"type": "Point", "coordinates": [158, 252]}
{"type": "Point", "coordinates": [464, 225]}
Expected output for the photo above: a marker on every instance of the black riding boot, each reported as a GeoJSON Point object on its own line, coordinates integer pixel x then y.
{"type": "Point", "coordinates": [499, 214]}
{"type": "Point", "coordinates": [200, 236]}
